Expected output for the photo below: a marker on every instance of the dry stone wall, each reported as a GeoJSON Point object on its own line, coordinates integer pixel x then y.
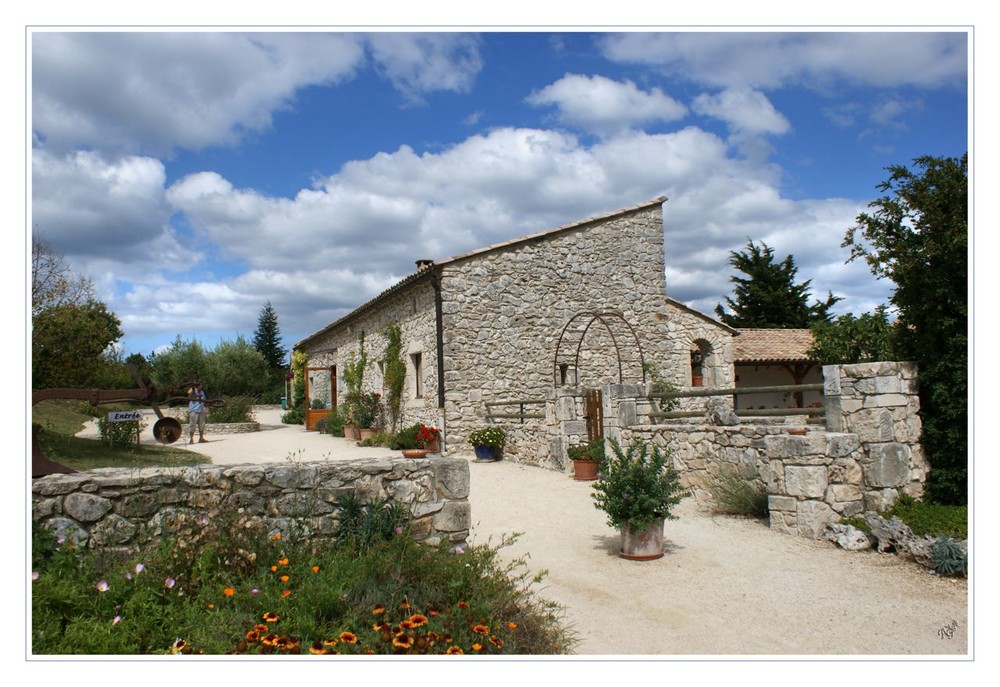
{"type": "Point", "coordinates": [123, 508]}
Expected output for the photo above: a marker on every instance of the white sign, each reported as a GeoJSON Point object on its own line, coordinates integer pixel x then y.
{"type": "Point", "coordinates": [124, 416]}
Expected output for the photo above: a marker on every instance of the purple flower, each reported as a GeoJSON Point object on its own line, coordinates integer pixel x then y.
{"type": "Point", "coordinates": [34, 575]}
{"type": "Point", "coordinates": [399, 530]}
{"type": "Point", "coordinates": [128, 575]}
{"type": "Point", "coordinates": [117, 619]}
{"type": "Point", "coordinates": [459, 549]}
{"type": "Point", "coordinates": [139, 567]}
{"type": "Point", "coordinates": [169, 583]}
{"type": "Point", "coordinates": [103, 586]}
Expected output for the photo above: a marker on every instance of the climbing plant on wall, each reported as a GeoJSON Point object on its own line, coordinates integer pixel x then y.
{"type": "Point", "coordinates": [394, 371]}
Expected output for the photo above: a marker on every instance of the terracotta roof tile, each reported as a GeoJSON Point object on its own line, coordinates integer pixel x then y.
{"type": "Point", "coordinates": [772, 345]}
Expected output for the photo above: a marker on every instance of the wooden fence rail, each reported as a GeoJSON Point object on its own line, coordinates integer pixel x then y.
{"type": "Point", "coordinates": [740, 391]}
{"type": "Point", "coordinates": [520, 415]}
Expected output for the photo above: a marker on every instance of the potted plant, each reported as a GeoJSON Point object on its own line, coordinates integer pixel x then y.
{"type": "Point", "coordinates": [369, 414]}
{"type": "Point", "coordinates": [429, 438]}
{"type": "Point", "coordinates": [488, 443]}
{"type": "Point", "coordinates": [586, 459]}
{"type": "Point", "coordinates": [637, 488]}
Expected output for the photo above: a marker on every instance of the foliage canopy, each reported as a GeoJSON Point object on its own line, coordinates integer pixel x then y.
{"type": "Point", "coordinates": [768, 297]}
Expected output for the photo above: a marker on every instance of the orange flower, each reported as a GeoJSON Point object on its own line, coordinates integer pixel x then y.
{"type": "Point", "coordinates": [348, 638]}
{"type": "Point", "coordinates": [283, 561]}
{"type": "Point", "coordinates": [512, 625]}
{"type": "Point", "coordinates": [277, 536]}
{"type": "Point", "coordinates": [287, 592]}
{"type": "Point", "coordinates": [481, 630]}
{"type": "Point", "coordinates": [379, 609]}
{"type": "Point", "coordinates": [270, 617]}
{"type": "Point", "coordinates": [274, 568]}
{"type": "Point", "coordinates": [418, 620]}
{"type": "Point", "coordinates": [405, 605]}
{"type": "Point", "coordinates": [477, 647]}
{"type": "Point", "coordinates": [462, 605]}
{"type": "Point", "coordinates": [228, 591]}
{"type": "Point", "coordinates": [496, 641]}
{"type": "Point", "coordinates": [283, 578]}
{"type": "Point", "coordinates": [317, 649]}
{"type": "Point", "coordinates": [454, 650]}
{"type": "Point", "coordinates": [211, 606]}
{"type": "Point", "coordinates": [315, 568]}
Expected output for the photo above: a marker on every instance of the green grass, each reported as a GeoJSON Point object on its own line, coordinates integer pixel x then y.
{"type": "Point", "coordinates": [734, 495]}
{"type": "Point", "coordinates": [61, 420]}
{"type": "Point", "coordinates": [935, 519]}
{"type": "Point", "coordinates": [221, 587]}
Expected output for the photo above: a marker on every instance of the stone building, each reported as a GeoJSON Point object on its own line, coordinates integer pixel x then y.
{"type": "Point", "coordinates": [580, 305]}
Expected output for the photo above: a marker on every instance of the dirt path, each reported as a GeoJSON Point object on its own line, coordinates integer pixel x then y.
{"type": "Point", "coordinates": [727, 586]}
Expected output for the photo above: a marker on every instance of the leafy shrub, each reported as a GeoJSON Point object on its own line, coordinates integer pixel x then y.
{"type": "Point", "coordinates": [592, 450]}
{"type": "Point", "coordinates": [405, 438]}
{"type": "Point", "coordinates": [362, 525]}
{"type": "Point", "coordinates": [295, 416]}
{"type": "Point", "coordinates": [235, 409]}
{"type": "Point", "coordinates": [120, 433]}
{"type": "Point", "coordinates": [948, 557]}
{"type": "Point", "coordinates": [636, 486]}
{"type": "Point", "coordinates": [733, 494]}
{"type": "Point", "coordinates": [317, 404]}
{"type": "Point", "coordinates": [335, 422]}
{"type": "Point", "coordinates": [935, 519]}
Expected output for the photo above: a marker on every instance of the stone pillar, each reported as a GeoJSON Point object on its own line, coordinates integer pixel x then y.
{"type": "Point", "coordinates": [879, 403]}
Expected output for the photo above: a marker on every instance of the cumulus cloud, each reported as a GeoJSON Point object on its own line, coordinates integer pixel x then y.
{"type": "Point", "coordinates": [419, 63]}
{"type": "Point", "coordinates": [601, 105]}
{"type": "Point", "coordinates": [812, 59]}
{"type": "Point", "coordinates": [745, 111]}
{"type": "Point", "coordinates": [154, 92]}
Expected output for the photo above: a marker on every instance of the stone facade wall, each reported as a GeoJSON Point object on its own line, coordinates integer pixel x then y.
{"type": "Point", "coordinates": [504, 310]}
{"type": "Point", "coordinates": [414, 310]}
{"type": "Point", "coordinates": [122, 508]}
{"type": "Point", "coordinates": [683, 329]}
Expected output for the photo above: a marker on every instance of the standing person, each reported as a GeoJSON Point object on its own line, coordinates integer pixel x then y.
{"type": "Point", "coordinates": [196, 413]}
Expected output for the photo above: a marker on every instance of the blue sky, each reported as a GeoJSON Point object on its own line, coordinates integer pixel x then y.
{"type": "Point", "coordinates": [195, 175]}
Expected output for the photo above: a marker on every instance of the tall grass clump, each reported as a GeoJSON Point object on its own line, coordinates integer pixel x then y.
{"type": "Point", "coordinates": [732, 494]}
{"type": "Point", "coordinates": [225, 585]}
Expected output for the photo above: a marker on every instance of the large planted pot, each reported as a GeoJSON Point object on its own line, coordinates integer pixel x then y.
{"type": "Point", "coordinates": [643, 544]}
{"type": "Point", "coordinates": [488, 454]}
{"type": "Point", "coordinates": [366, 433]}
{"type": "Point", "coordinates": [351, 432]}
{"type": "Point", "coordinates": [585, 470]}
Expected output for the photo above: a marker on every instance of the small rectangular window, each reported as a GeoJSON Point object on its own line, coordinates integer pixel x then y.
{"type": "Point", "coordinates": [418, 375]}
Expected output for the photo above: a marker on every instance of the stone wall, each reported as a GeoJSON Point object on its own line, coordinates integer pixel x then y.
{"type": "Point", "coordinates": [122, 508]}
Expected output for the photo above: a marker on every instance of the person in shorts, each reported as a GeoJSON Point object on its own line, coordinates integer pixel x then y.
{"type": "Point", "coordinates": [196, 413]}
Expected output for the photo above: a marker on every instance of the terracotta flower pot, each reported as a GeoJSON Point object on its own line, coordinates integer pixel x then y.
{"type": "Point", "coordinates": [351, 432]}
{"type": "Point", "coordinates": [366, 433]}
{"type": "Point", "coordinates": [644, 544]}
{"type": "Point", "coordinates": [414, 453]}
{"type": "Point", "coordinates": [585, 470]}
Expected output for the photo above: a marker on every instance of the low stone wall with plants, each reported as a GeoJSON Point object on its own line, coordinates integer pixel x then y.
{"type": "Point", "coordinates": [122, 508]}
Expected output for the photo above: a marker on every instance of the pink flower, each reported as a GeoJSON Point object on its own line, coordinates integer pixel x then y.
{"type": "Point", "coordinates": [34, 575]}
{"type": "Point", "coordinates": [117, 619]}
{"type": "Point", "coordinates": [103, 586]}
{"type": "Point", "coordinates": [139, 567]}
{"type": "Point", "coordinates": [169, 583]}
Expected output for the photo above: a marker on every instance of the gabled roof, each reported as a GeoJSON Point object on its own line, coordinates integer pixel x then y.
{"type": "Point", "coordinates": [772, 346]}
{"type": "Point", "coordinates": [697, 313]}
{"type": "Point", "coordinates": [430, 269]}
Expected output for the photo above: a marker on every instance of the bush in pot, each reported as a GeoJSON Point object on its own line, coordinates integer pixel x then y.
{"type": "Point", "coordinates": [488, 442]}
{"type": "Point", "coordinates": [637, 488]}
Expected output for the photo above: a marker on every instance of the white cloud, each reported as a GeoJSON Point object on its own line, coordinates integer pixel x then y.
{"type": "Point", "coordinates": [745, 111]}
{"type": "Point", "coordinates": [157, 91]}
{"type": "Point", "coordinates": [419, 63]}
{"type": "Point", "coordinates": [601, 105]}
{"type": "Point", "coordinates": [812, 59]}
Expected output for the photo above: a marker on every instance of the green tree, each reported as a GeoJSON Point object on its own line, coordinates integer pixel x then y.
{"type": "Point", "coordinates": [68, 343]}
{"type": "Point", "coordinates": [267, 338]}
{"type": "Point", "coordinates": [768, 297]}
{"type": "Point", "coordinates": [917, 236]}
{"type": "Point", "coordinates": [849, 339]}
{"type": "Point", "coordinates": [236, 368]}
{"type": "Point", "coordinates": [181, 363]}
